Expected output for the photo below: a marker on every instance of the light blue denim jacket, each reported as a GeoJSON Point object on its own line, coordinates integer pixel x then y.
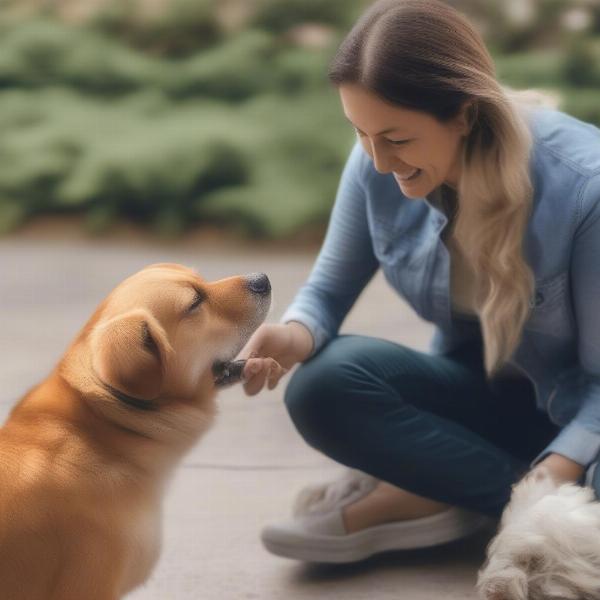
{"type": "Point", "coordinates": [373, 225]}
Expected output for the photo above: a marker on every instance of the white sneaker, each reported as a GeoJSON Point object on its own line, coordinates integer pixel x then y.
{"type": "Point", "coordinates": [324, 497]}
{"type": "Point", "coordinates": [320, 536]}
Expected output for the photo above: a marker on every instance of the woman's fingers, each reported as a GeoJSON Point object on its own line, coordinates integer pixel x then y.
{"type": "Point", "coordinates": [275, 373]}
{"type": "Point", "coordinates": [259, 371]}
{"type": "Point", "coordinates": [254, 376]}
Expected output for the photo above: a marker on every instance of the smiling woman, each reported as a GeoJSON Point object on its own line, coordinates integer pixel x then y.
{"type": "Point", "coordinates": [483, 211]}
{"type": "Point", "coordinates": [440, 87]}
{"type": "Point", "coordinates": [428, 154]}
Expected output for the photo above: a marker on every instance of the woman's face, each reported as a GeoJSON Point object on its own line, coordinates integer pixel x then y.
{"type": "Point", "coordinates": [421, 152]}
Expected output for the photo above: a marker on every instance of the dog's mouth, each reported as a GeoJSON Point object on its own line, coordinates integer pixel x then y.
{"type": "Point", "coordinates": [227, 372]}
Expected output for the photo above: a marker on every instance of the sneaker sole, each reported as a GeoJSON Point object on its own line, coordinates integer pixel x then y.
{"type": "Point", "coordinates": [425, 532]}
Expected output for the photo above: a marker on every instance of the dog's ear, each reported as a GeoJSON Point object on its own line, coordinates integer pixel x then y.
{"type": "Point", "coordinates": [130, 352]}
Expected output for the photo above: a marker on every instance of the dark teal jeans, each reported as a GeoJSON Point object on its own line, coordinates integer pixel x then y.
{"type": "Point", "coordinates": [432, 425]}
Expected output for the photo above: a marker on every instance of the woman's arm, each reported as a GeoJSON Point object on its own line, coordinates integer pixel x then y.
{"type": "Point", "coordinates": [578, 443]}
{"type": "Point", "coordinates": [345, 263]}
{"type": "Point", "coordinates": [563, 469]}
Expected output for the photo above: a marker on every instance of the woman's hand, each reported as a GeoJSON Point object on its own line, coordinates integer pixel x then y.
{"type": "Point", "coordinates": [562, 469]}
{"type": "Point", "coordinates": [271, 352]}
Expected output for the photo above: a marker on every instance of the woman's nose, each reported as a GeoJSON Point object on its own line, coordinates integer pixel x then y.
{"type": "Point", "coordinates": [382, 161]}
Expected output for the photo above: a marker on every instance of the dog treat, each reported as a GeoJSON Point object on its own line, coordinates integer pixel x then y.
{"type": "Point", "coordinates": [228, 373]}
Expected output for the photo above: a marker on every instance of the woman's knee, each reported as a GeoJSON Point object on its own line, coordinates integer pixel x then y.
{"type": "Point", "coordinates": [313, 389]}
{"type": "Point", "coordinates": [305, 394]}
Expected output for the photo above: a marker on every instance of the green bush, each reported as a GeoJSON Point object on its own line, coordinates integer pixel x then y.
{"type": "Point", "coordinates": [184, 27]}
{"type": "Point", "coordinates": [241, 129]}
{"type": "Point", "coordinates": [299, 69]}
{"type": "Point", "coordinates": [572, 76]}
{"type": "Point", "coordinates": [581, 64]}
{"type": "Point", "coordinates": [42, 53]}
{"type": "Point", "coordinates": [61, 152]}
{"type": "Point", "coordinates": [504, 35]}
{"type": "Point", "coordinates": [280, 15]}
{"type": "Point", "coordinates": [530, 69]}
{"type": "Point", "coordinates": [583, 103]}
{"type": "Point", "coordinates": [298, 154]}
{"type": "Point", "coordinates": [237, 69]}
{"type": "Point", "coordinates": [267, 166]}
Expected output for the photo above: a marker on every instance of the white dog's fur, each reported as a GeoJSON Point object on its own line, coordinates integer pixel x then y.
{"type": "Point", "coordinates": [548, 545]}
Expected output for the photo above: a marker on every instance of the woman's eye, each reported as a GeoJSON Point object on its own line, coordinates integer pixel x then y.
{"type": "Point", "coordinates": [398, 142]}
{"type": "Point", "coordinates": [200, 297]}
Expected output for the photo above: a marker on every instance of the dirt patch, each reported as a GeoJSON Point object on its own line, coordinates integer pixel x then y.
{"type": "Point", "coordinates": [63, 228]}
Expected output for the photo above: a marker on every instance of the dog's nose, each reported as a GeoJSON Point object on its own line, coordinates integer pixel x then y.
{"type": "Point", "coordinates": [259, 283]}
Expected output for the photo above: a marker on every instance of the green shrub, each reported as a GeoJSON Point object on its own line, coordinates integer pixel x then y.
{"type": "Point", "coordinates": [237, 69]}
{"type": "Point", "coordinates": [184, 27]}
{"type": "Point", "coordinates": [41, 53]}
{"type": "Point", "coordinates": [12, 214]}
{"type": "Point", "coordinates": [581, 63]}
{"type": "Point", "coordinates": [583, 103]}
{"type": "Point", "coordinates": [502, 34]}
{"type": "Point", "coordinates": [268, 166]}
{"type": "Point", "coordinates": [35, 158]}
{"type": "Point", "coordinates": [299, 70]}
{"type": "Point", "coordinates": [132, 158]}
{"type": "Point", "coordinates": [280, 15]}
{"type": "Point", "coordinates": [32, 54]}
{"type": "Point", "coordinates": [240, 129]}
{"type": "Point", "coordinates": [530, 69]}
{"type": "Point", "coordinates": [297, 160]}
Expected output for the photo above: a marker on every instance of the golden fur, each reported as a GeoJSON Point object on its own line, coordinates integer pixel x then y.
{"type": "Point", "coordinates": [81, 472]}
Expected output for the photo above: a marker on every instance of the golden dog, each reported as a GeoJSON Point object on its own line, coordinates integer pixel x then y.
{"type": "Point", "coordinates": [86, 454]}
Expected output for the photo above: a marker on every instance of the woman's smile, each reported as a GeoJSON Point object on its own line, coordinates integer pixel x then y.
{"type": "Point", "coordinates": [427, 141]}
{"type": "Point", "coordinates": [408, 177]}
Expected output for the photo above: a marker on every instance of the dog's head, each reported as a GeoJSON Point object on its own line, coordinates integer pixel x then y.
{"type": "Point", "coordinates": [161, 336]}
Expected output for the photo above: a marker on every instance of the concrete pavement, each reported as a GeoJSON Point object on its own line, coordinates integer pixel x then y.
{"type": "Point", "coordinates": [246, 471]}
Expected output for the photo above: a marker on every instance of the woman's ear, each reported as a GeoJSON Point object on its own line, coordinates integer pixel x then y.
{"type": "Point", "coordinates": [467, 116]}
{"type": "Point", "coordinates": [129, 353]}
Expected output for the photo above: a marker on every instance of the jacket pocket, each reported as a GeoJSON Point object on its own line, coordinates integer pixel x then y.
{"type": "Point", "coordinates": [393, 248]}
{"type": "Point", "coordinates": [550, 307]}
{"type": "Point", "coordinates": [403, 258]}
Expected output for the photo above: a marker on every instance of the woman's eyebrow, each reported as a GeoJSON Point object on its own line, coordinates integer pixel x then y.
{"type": "Point", "coordinates": [381, 132]}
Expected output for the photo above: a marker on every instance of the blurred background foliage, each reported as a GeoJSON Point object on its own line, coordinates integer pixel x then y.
{"type": "Point", "coordinates": [177, 113]}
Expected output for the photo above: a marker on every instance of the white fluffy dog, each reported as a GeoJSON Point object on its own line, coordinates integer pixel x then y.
{"type": "Point", "coordinates": [548, 545]}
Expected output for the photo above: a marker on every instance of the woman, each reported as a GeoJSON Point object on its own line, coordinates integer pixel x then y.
{"type": "Point", "coordinates": [483, 213]}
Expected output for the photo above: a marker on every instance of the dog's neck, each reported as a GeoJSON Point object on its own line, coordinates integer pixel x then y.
{"type": "Point", "coordinates": [150, 442]}
{"type": "Point", "coordinates": [132, 402]}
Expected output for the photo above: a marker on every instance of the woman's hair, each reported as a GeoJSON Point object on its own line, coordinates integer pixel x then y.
{"type": "Point", "coordinates": [424, 55]}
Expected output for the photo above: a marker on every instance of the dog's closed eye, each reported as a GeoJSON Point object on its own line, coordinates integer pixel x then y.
{"type": "Point", "coordinates": [198, 300]}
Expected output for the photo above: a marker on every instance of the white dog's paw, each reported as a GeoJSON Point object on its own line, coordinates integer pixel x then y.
{"type": "Point", "coordinates": [509, 584]}
{"type": "Point", "coordinates": [324, 497]}
{"type": "Point", "coordinates": [548, 545]}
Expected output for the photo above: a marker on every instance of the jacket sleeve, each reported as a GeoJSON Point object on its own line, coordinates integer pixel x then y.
{"type": "Point", "coordinates": [579, 440]}
{"type": "Point", "coordinates": [345, 263]}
